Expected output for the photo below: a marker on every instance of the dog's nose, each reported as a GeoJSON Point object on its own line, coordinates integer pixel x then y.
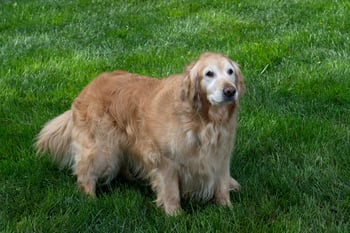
{"type": "Point", "coordinates": [229, 91]}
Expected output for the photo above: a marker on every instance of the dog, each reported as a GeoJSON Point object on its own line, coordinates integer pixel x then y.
{"type": "Point", "coordinates": [176, 132]}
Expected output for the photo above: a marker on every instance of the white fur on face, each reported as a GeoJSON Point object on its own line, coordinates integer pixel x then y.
{"type": "Point", "coordinates": [215, 78]}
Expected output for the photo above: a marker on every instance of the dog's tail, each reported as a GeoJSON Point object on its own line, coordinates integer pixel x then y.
{"type": "Point", "coordinates": [55, 138]}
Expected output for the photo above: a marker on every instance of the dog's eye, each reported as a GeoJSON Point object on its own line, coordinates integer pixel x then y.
{"type": "Point", "coordinates": [210, 74]}
{"type": "Point", "coordinates": [230, 71]}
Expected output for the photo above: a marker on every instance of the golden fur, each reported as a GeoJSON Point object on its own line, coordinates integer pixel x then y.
{"type": "Point", "coordinates": [177, 132]}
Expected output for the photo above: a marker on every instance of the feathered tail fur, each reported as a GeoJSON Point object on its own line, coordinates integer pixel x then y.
{"type": "Point", "coordinates": [55, 139]}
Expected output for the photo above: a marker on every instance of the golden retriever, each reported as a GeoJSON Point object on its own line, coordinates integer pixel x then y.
{"type": "Point", "coordinates": [176, 132]}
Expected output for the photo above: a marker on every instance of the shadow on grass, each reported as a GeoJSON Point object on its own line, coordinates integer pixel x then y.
{"type": "Point", "coordinates": [142, 189]}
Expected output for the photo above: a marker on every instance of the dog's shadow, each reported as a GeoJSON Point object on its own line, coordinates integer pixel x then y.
{"type": "Point", "coordinates": [189, 207]}
{"type": "Point", "coordinates": [122, 183]}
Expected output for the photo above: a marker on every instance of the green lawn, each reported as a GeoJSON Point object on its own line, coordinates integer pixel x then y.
{"type": "Point", "coordinates": [292, 154]}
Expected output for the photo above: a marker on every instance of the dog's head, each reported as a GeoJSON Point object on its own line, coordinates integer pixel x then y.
{"type": "Point", "coordinates": [216, 79]}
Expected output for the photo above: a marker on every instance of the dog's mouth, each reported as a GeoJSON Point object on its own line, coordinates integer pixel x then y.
{"type": "Point", "coordinates": [224, 100]}
{"type": "Point", "coordinates": [229, 100]}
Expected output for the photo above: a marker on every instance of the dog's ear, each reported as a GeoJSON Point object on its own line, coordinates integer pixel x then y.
{"type": "Point", "coordinates": [197, 104]}
{"type": "Point", "coordinates": [192, 78]}
{"type": "Point", "coordinates": [239, 79]}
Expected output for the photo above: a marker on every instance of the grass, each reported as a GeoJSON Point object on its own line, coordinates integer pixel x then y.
{"type": "Point", "coordinates": [292, 154]}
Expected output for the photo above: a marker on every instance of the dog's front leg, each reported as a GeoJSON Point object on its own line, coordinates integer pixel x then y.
{"type": "Point", "coordinates": [222, 192]}
{"type": "Point", "coordinates": [225, 184]}
{"type": "Point", "coordinates": [165, 181]}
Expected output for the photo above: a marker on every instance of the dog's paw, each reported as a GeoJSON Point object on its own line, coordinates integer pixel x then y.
{"type": "Point", "coordinates": [224, 201]}
{"type": "Point", "coordinates": [234, 185]}
{"type": "Point", "coordinates": [171, 208]}
{"type": "Point", "coordinates": [88, 189]}
{"type": "Point", "coordinates": [174, 211]}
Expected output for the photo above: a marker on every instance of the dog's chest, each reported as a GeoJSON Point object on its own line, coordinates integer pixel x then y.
{"type": "Point", "coordinates": [201, 157]}
{"type": "Point", "coordinates": [201, 144]}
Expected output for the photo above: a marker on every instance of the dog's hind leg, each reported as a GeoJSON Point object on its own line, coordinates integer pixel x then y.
{"type": "Point", "coordinates": [84, 168]}
{"type": "Point", "coordinates": [94, 160]}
